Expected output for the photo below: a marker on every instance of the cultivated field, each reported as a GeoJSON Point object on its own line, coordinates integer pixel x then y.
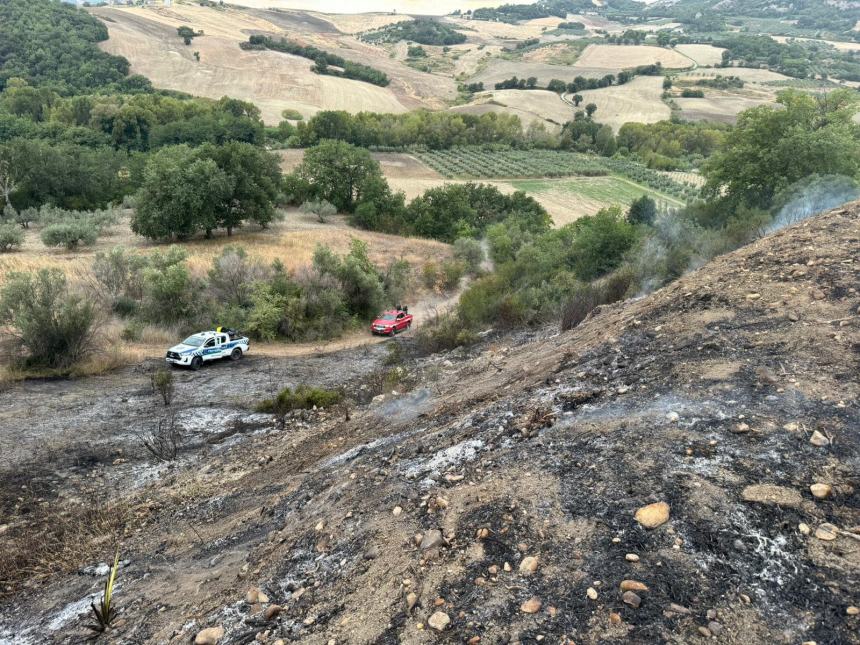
{"type": "Point", "coordinates": [273, 81]}
{"type": "Point", "coordinates": [618, 57]}
{"type": "Point", "coordinates": [498, 70]}
{"type": "Point", "coordinates": [638, 101]}
{"type": "Point", "coordinates": [574, 197]}
{"type": "Point", "coordinates": [529, 105]}
{"type": "Point", "coordinates": [482, 31]}
{"type": "Point", "coordinates": [746, 74]}
{"type": "Point", "coordinates": [703, 55]}
{"type": "Point", "coordinates": [717, 106]}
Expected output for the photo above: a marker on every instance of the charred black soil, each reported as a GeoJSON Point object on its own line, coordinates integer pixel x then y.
{"type": "Point", "coordinates": [492, 497]}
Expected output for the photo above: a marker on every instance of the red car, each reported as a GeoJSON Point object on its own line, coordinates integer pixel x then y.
{"type": "Point", "coordinates": [391, 322]}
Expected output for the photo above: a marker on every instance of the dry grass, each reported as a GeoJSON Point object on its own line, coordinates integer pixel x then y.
{"type": "Point", "coordinates": [618, 57]}
{"type": "Point", "coordinates": [529, 105]}
{"type": "Point", "coordinates": [47, 537]}
{"type": "Point", "coordinates": [638, 101]}
{"type": "Point", "coordinates": [702, 54]}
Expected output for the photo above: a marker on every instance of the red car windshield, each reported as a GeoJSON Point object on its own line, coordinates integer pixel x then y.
{"type": "Point", "coordinates": [388, 317]}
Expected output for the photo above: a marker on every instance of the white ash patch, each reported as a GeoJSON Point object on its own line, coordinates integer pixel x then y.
{"type": "Point", "coordinates": [445, 459]}
{"type": "Point", "coordinates": [370, 446]}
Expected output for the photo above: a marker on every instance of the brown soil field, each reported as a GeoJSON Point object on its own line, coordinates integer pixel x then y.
{"type": "Point", "coordinates": [272, 80]}
{"type": "Point", "coordinates": [483, 31]}
{"type": "Point", "coordinates": [394, 165]}
{"type": "Point", "coordinates": [746, 74]}
{"type": "Point", "coordinates": [703, 54]}
{"type": "Point", "coordinates": [498, 70]}
{"type": "Point", "coordinates": [718, 106]}
{"type": "Point", "coordinates": [469, 58]}
{"type": "Point", "coordinates": [529, 105]}
{"type": "Point", "coordinates": [637, 101]}
{"type": "Point", "coordinates": [619, 57]}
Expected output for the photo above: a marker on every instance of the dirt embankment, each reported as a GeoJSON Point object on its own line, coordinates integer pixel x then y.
{"type": "Point", "coordinates": [497, 499]}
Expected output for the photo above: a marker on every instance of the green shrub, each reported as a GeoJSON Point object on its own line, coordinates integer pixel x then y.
{"type": "Point", "coordinates": [162, 382]}
{"type": "Point", "coordinates": [321, 208]}
{"type": "Point", "coordinates": [132, 332]}
{"type": "Point", "coordinates": [304, 397]}
{"type": "Point", "coordinates": [292, 115]}
{"type": "Point", "coordinates": [11, 237]}
{"type": "Point", "coordinates": [470, 253]}
{"type": "Point", "coordinates": [54, 327]}
{"type": "Point", "coordinates": [70, 235]}
{"type": "Point", "coordinates": [452, 272]}
{"type": "Point", "coordinates": [430, 275]}
{"type": "Point", "coordinates": [443, 334]}
{"type": "Point", "coordinates": [601, 242]}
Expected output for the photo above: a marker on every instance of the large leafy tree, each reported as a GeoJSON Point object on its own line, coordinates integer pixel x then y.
{"type": "Point", "coordinates": [337, 172]}
{"type": "Point", "coordinates": [180, 195]}
{"type": "Point", "coordinates": [186, 190]}
{"type": "Point", "coordinates": [773, 147]}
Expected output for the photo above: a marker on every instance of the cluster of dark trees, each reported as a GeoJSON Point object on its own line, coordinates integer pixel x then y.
{"type": "Point", "coordinates": [324, 62]}
{"type": "Point", "coordinates": [580, 83]}
{"type": "Point", "coordinates": [433, 130]}
{"type": "Point", "coordinates": [350, 179]}
{"type": "Point", "coordinates": [425, 31]}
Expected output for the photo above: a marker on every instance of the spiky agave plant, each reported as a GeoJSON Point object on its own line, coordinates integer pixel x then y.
{"type": "Point", "coordinates": [105, 612]}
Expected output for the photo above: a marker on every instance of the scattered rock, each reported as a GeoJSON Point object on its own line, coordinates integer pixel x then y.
{"type": "Point", "coordinates": [852, 610]}
{"type": "Point", "coordinates": [753, 296]}
{"type": "Point", "coordinates": [631, 599]}
{"type": "Point", "coordinates": [770, 494]}
{"type": "Point", "coordinates": [679, 609]}
{"type": "Point", "coordinates": [320, 526]}
{"type": "Point", "coordinates": [209, 636]}
{"type": "Point", "coordinates": [653, 515]}
{"type": "Point", "coordinates": [804, 528]}
{"type": "Point", "coordinates": [821, 491]}
{"type": "Point", "coordinates": [529, 564]}
{"type": "Point", "coordinates": [631, 557]}
{"type": "Point", "coordinates": [672, 417]}
{"type": "Point", "coordinates": [432, 539]}
{"type": "Point", "coordinates": [633, 585]}
{"type": "Point", "coordinates": [397, 510]}
{"type": "Point", "coordinates": [615, 618]}
{"type": "Point", "coordinates": [272, 612]}
{"type": "Point", "coordinates": [704, 631]}
{"type": "Point", "coordinates": [411, 599]}
{"type": "Point", "coordinates": [741, 428]}
{"type": "Point", "coordinates": [254, 596]}
{"type": "Point", "coordinates": [818, 439]}
{"type": "Point", "coordinates": [439, 621]}
{"type": "Point", "coordinates": [591, 592]}
{"type": "Point", "coordinates": [531, 606]}
{"type": "Point", "coordinates": [715, 628]}
{"type": "Point", "coordinates": [827, 532]}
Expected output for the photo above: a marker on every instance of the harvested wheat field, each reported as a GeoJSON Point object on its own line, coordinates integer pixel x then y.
{"type": "Point", "coordinates": [723, 107]}
{"type": "Point", "coordinates": [638, 101]}
{"type": "Point", "coordinates": [498, 70]}
{"type": "Point", "coordinates": [483, 31]}
{"type": "Point", "coordinates": [273, 81]}
{"type": "Point", "coordinates": [703, 55]}
{"type": "Point", "coordinates": [746, 74]}
{"type": "Point", "coordinates": [530, 105]}
{"type": "Point", "coordinates": [619, 57]}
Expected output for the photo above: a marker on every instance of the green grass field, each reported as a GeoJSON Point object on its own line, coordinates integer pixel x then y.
{"type": "Point", "coordinates": [598, 191]}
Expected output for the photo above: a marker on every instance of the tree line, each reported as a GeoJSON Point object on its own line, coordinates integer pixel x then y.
{"type": "Point", "coordinates": [324, 62]}
{"type": "Point", "coordinates": [425, 31]}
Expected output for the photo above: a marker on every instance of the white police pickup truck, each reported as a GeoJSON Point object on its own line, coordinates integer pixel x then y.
{"type": "Point", "coordinates": [208, 346]}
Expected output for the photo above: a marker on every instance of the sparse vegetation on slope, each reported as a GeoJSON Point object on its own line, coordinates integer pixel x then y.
{"type": "Point", "coordinates": [425, 31]}
{"type": "Point", "coordinates": [324, 62]}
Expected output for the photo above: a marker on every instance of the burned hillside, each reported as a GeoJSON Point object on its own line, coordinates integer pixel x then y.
{"type": "Point", "coordinates": [679, 468]}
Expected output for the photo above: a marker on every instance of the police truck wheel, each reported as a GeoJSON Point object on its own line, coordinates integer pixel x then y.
{"type": "Point", "coordinates": [236, 354]}
{"type": "Point", "coordinates": [196, 363]}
